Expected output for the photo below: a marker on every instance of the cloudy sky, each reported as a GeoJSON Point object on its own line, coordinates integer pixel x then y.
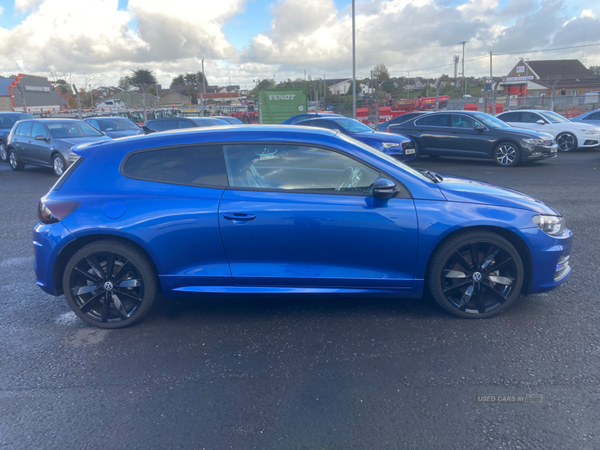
{"type": "Point", "coordinates": [242, 40]}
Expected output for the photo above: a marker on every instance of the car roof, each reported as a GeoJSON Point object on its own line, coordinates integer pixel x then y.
{"type": "Point", "coordinates": [54, 119]}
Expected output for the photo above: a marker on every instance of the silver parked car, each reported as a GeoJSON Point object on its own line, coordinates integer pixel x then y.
{"type": "Point", "coordinates": [48, 142]}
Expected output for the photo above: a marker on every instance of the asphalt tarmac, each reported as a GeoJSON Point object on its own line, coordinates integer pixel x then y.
{"type": "Point", "coordinates": [293, 373]}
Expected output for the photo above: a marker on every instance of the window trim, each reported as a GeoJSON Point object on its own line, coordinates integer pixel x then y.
{"type": "Point", "coordinates": [167, 147]}
{"type": "Point", "coordinates": [404, 192]}
{"type": "Point", "coordinates": [433, 126]}
{"type": "Point", "coordinates": [470, 117]}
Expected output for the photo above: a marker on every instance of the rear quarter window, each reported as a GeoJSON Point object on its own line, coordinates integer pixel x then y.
{"type": "Point", "coordinates": [201, 165]}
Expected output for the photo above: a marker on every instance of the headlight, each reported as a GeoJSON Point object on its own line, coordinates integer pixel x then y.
{"type": "Point", "coordinates": [552, 225]}
{"type": "Point", "coordinates": [534, 141]}
{"type": "Point", "coordinates": [390, 144]}
{"type": "Point", "coordinates": [589, 132]}
{"type": "Point", "coordinates": [71, 152]}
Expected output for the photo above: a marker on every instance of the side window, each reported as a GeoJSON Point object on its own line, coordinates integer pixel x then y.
{"type": "Point", "coordinates": [594, 116]}
{"type": "Point", "coordinates": [528, 117]}
{"type": "Point", "coordinates": [511, 117]}
{"type": "Point", "coordinates": [434, 120]}
{"type": "Point", "coordinates": [38, 130]}
{"type": "Point", "coordinates": [185, 124]}
{"type": "Point", "coordinates": [25, 129]}
{"type": "Point", "coordinates": [95, 124]}
{"type": "Point", "coordinates": [324, 124]}
{"type": "Point", "coordinates": [193, 166]}
{"type": "Point", "coordinates": [17, 129]}
{"type": "Point", "coordinates": [169, 125]}
{"type": "Point", "coordinates": [153, 124]}
{"type": "Point", "coordinates": [296, 168]}
{"type": "Point", "coordinates": [299, 118]}
{"type": "Point", "coordinates": [460, 121]}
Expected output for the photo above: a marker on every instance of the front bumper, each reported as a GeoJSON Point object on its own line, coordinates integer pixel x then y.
{"type": "Point", "coordinates": [549, 258]}
{"type": "Point", "coordinates": [588, 141]}
{"type": "Point", "coordinates": [48, 241]}
{"type": "Point", "coordinates": [540, 151]}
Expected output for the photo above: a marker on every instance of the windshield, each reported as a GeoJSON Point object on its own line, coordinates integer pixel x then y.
{"type": "Point", "coordinates": [208, 122]}
{"type": "Point", "coordinates": [491, 121]}
{"type": "Point", "coordinates": [71, 129]}
{"type": "Point", "coordinates": [553, 117]}
{"type": "Point", "coordinates": [117, 125]}
{"type": "Point", "coordinates": [8, 120]}
{"type": "Point", "coordinates": [352, 126]}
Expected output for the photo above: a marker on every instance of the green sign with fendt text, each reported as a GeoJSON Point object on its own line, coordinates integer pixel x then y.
{"type": "Point", "coordinates": [277, 105]}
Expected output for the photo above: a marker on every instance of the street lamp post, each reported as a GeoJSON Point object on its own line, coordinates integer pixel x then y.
{"type": "Point", "coordinates": [353, 60]}
{"type": "Point", "coordinates": [91, 97]}
{"type": "Point", "coordinates": [408, 72]}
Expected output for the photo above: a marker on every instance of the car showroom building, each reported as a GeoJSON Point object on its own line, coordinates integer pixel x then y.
{"type": "Point", "coordinates": [33, 92]}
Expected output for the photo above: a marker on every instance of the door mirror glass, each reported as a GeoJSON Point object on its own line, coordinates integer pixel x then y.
{"type": "Point", "coordinates": [479, 127]}
{"type": "Point", "coordinates": [384, 188]}
{"type": "Point", "coordinates": [541, 122]}
{"type": "Point", "coordinates": [40, 137]}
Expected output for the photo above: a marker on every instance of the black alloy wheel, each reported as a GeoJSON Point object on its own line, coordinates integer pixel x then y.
{"type": "Point", "coordinates": [566, 142]}
{"type": "Point", "coordinates": [3, 152]}
{"type": "Point", "coordinates": [109, 284]}
{"type": "Point", "coordinates": [13, 161]}
{"type": "Point", "coordinates": [507, 155]}
{"type": "Point", "coordinates": [476, 275]}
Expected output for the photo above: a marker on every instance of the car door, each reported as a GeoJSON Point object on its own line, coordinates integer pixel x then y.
{"type": "Point", "coordinates": [39, 151]}
{"type": "Point", "coordinates": [529, 121]}
{"type": "Point", "coordinates": [468, 141]}
{"type": "Point", "coordinates": [434, 135]}
{"type": "Point", "coordinates": [298, 215]}
{"type": "Point", "coordinates": [22, 141]}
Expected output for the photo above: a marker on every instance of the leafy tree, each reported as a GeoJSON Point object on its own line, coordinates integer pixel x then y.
{"type": "Point", "coordinates": [595, 69]}
{"type": "Point", "coordinates": [61, 86]}
{"type": "Point", "coordinates": [125, 83]}
{"type": "Point", "coordinates": [142, 79]}
{"type": "Point", "coordinates": [381, 73]}
{"type": "Point", "coordinates": [189, 79]}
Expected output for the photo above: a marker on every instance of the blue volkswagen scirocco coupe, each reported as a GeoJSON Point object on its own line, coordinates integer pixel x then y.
{"type": "Point", "coordinates": [283, 210]}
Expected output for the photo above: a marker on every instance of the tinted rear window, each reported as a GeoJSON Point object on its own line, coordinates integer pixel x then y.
{"type": "Point", "coordinates": [434, 120]}
{"type": "Point", "coordinates": [193, 166]}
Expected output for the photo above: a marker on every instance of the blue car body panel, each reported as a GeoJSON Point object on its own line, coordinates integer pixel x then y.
{"type": "Point", "coordinates": [585, 118]}
{"type": "Point", "coordinates": [298, 242]}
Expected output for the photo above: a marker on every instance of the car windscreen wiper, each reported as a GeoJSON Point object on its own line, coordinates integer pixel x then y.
{"type": "Point", "coordinates": [435, 177]}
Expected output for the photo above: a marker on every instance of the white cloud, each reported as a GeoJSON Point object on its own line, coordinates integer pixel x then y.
{"type": "Point", "coordinates": [25, 5]}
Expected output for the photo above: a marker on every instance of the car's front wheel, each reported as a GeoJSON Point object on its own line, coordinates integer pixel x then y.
{"type": "Point", "coordinates": [476, 274]}
{"type": "Point", "coordinates": [58, 164]}
{"type": "Point", "coordinates": [566, 142]}
{"type": "Point", "coordinates": [507, 154]}
{"type": "Point", "coordinates": [110, 284]}
{"type": "Point", "coordinates": [3, 152]}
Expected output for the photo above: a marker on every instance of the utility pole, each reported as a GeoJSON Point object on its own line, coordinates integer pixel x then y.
{"type": "Point", "coordinates": [492, 110]}
{"type": "Point", "coordinates": [408, 72]}
{"type": "Point", "coordinates": [23, 97]}
{"type": "Point", "coordinates": [463, 67]}
{"type": "Point", "coordinates": [353, 59]}
{"type": "Point", "coordinates": [456, 59]}
{"type": "Point", "coordinates": [91, 97]}
{"type": "Point", "coordinates": [79, 113]}
{"type": "Point", "coordinates": [202, 90]}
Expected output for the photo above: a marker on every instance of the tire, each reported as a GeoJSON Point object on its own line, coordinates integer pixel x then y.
{"type": "Point", "coordinates": [131, 287]}
{"type": "Point", "coordinates": [566, 142]}
{"type": "Point", "coordinates": [507, 154]}
{"type": "Point", "coordinates": [475, 291]}
{"type": "Point", "coordinates": [13, 160]}
{"type": "Point", "coordinates": [3, 152]}
{"type": "Point", "coordinates": [58, 164]}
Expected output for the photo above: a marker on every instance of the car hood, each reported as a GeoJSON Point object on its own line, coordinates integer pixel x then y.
{"type": "Point", "coordinates": [523, 132]}
{"type": "Point", "coordinates": [464, 190]}
{"type": "Point", "coordinates": [376, 136]}
{"type": "Point", "coordinates": [84, 140]}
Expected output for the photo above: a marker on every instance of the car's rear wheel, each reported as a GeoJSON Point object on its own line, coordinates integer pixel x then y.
{"type": "Point", "coordinates": [13, 161]}
{"type": "Point", "coordinates": [566, 142]}
{"type": "Point", "coordinates": [475, 274]}
{"type": "Point", "coordinates": [58, 164]}
{"type": "Point", "coordinates": [507, 154]}
{"type": "Point", "coordinates": [110, 284]}
{"type": "Point", "coordinates": [3, 152]}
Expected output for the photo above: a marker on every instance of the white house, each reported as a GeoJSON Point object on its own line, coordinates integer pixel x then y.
{"type": "Point", "coordinates": [342, 88]}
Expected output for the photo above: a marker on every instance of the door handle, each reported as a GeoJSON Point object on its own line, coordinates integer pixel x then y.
{"type": "Point", "coordinates": [242, 217]}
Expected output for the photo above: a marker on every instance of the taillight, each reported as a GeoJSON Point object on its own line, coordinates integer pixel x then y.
{"type": "Point", "coordinates": [52, 211]}
{"type": "Point", "coordinates": [387, 130]}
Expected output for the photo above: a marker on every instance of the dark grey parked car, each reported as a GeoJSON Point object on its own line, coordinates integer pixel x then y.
{"type": "Point", "coordinates": [48, 142]}
{"type": "Point", "coordinates": [7, 121]}
{"type": "Point", "coordinates": [114, 127]}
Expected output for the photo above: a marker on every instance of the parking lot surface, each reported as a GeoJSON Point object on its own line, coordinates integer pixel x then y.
{"type": "Point", "coordinates": [307, 372]}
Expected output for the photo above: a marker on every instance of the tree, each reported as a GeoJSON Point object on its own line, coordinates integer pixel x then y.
{"type": "Point", "coordinates": [125, 83]}
{"type": "Point", "coordinates": [381, 73]}
{"type": "Point", "coordinates": [595, 69]}
{"type": "Point", "coordinates": [142, 79]}
{"type": "Point", "coordinates": [189, 79]}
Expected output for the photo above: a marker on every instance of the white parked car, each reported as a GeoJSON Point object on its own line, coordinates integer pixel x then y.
{"type": "Point", "coordinates": [112, 104]}
{"type": "Point", "coordinates": [569, 135]}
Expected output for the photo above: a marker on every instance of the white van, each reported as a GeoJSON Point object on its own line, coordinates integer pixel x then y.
{"type": "Point", "coordinates": [112, 104]}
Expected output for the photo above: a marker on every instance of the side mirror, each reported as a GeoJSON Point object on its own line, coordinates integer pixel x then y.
{"type": "Point", "coordinates": [384, 188]}
{"type": "Point", "coordinates": [541, 122]}
{"type": "Point", "coordinates": [479, 127]}
{"type": "Point", "coordinates": [41, 137]}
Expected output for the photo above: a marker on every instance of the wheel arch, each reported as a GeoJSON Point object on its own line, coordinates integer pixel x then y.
{"type": "Point", "coordinates": [72, 247]}
{"type": "Point", "coordinates": [509, 235]}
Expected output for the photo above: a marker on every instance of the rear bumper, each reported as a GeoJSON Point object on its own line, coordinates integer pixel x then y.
{"type": "Point", "coordinates": [48, 241]}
